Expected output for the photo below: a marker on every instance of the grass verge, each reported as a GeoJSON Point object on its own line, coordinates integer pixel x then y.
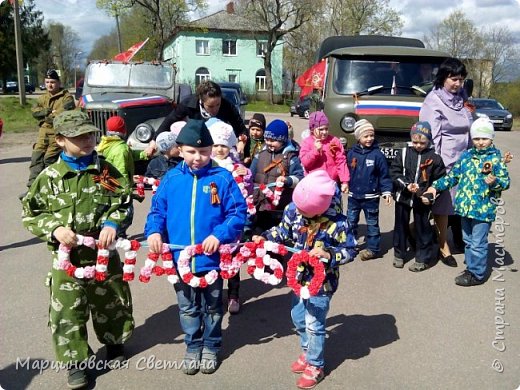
{"type": "Point", "coordinates": [17, 118]}
{"type": "Point", "coordinates": [262, 106]}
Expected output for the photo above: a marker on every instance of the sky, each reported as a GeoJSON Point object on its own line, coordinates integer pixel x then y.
{"type": "Point", "coordinates": [419, 16]}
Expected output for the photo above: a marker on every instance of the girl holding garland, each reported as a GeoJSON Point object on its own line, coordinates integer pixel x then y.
{"type": "Point", "coordinates": [313, 223]}
{"type": "Point", "coordinates": [224, 144]}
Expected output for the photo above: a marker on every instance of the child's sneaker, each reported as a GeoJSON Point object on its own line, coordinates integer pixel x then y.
{"type": "Point", "coordinates": [310, 378]}
{"type": "Point", "coordinates": [76, 378]}
{"type": "Point", "coordinates": [299, 365]}
{"type": "Point", "coordinates": [398, 262]}
{"type": "Point", "coordinates": [209, 361]}
{"type": "Point", "coordinates": [366, 254]}
{"type": "Point", "coordinates": [191, 363]}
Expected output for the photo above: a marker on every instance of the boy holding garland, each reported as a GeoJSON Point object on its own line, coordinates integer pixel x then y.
{"type": "Point", "coordinates": [198, 202]}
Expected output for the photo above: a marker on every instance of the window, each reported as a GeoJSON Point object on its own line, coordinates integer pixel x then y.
{"type": "Point", "coordinates": [260, 80]}
{"type": "Point", "coordinates": [202, 47]}
{"type": "Point", "coordinates": [232, 78]}
{"type": "Point", "coordinates": [201, 74]}
{"type": "Point", "coordinates": [229, 47]}
{"type": "Point", "coordinates": [261, 48]}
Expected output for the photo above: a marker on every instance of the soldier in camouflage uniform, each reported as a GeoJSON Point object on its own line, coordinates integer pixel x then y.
{"type": "Point", "coordinates": [78, 195]}
{"type": "Point", "coordinates": [54, 101]}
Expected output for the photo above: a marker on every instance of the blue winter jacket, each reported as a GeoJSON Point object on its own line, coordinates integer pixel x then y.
{"type": "Point", "coordinates": [181, 210]}
{"type": "Point", "coordinates": [369, 175]}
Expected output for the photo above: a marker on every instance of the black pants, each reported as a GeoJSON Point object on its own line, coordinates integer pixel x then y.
{"type": "Point", "coordinates": [233, 285]}
{"type": "Point", "coordinates": [423, 231]}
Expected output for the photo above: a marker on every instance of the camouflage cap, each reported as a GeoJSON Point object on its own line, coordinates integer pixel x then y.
{"type": "Point", "coordinates": [73, 123]}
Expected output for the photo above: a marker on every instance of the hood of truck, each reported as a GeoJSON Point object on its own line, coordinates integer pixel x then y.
{"type": "Point", "coordinates": [116, 100]}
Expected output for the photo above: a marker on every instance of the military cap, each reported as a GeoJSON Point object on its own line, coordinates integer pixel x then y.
{"type": "Point", "coordinates": [195, 133]}
{"type": "Point", "coordinates": [73, 123]}
{"type": "Point", "coordinates": [52, 74]}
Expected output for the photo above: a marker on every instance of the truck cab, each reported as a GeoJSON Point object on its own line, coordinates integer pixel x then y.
{"type": "Point", "coordinates": [142, 93]}
{"type": "Point", "coordinates": [381, 79]}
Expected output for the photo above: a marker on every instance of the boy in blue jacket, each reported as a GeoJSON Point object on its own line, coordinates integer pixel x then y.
{"type": "Point", "coordinates": [369, 180]}
{"type": "Point", "coordinates": [197, 202]}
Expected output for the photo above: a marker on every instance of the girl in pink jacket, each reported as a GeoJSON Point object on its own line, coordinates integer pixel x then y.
{"type": "Point", "coordinates": [320, 150]}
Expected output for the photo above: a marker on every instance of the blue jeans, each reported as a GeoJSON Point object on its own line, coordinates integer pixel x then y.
{"type": "Point", "coordinates": [201, 312]}
{"type": "Point", "coordinates": [370, 208]}
{"type": "Point", "coordinates": [309, 317]}
{"type": "Point", "coordinates": [475, 236]}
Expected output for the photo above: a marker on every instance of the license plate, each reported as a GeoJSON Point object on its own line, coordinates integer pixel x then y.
{"type": "Point", "coordinates": [497, 121]}
{"type": "Point", "coordinates": [389, 153]}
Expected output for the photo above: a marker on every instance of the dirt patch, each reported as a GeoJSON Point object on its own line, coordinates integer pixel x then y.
{"type": "Point", "coordinates": [12, 140]}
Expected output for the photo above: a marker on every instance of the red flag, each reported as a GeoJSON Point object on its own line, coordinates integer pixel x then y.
{"type": "Point", "coordinates": [130, 53]}
{"type": "Point", "coordinates": [312, 78]}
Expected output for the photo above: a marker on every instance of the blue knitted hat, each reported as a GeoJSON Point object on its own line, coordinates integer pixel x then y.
{"type": "Point", "coordinates": [422, 128]}
{"type": "Point", "coordinates": [277, 130]}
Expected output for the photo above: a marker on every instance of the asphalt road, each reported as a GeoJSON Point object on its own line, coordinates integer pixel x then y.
{"type": "Point", "coordinates": [387, 328]}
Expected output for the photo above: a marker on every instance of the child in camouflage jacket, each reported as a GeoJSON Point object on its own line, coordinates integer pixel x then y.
{"type": "Point", "coordinates": [81, 195]}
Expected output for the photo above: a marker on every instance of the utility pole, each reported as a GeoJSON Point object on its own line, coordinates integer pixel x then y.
{"type": "Point", "coordinates": [119, 46]}
{"type": "Point", "coordinates": [19, 52]}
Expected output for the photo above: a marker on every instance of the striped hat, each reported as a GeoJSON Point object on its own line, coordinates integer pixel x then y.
{"type": "Point", "coordinates": [362, 126]}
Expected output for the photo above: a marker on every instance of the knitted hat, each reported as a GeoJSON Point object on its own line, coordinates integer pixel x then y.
{"type": "Point", "coordinates": [165, 141]}
{"type": "Point", "coordinates": [318, 119]}
{"type": "Point", "coordinates": [422, 128]}
{"type": "Point", "coordinates": [195, 133]}
{"type": "Point", "coordinates": [482, 128]}
{"type": "Point", "coordinates": [258, 120]}
{"type": "Point", "coordinates": [361, 126]}
{"type": "Point", "coordinates": [176, 127]}
{"type": "Point", "coordinates": [313, 194]}
{"type": "Point", "coordinates": [222, 133]}
{"type": "Point", "coordinates": [52, 74]}
{"type": "Point", "coordinates": [277, 130]}
{"type": "Point", "coordinates": [116, 126]}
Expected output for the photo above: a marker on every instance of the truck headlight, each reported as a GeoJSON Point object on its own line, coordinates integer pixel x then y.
{"type": "Point", "coordinates": [347, 123]}
{"type": "Point", "coordinates": [143, 132]}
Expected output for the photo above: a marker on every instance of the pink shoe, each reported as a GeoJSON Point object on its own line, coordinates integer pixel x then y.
{"type": "Point", "coordinates": [299, 365]}
{"type": "Point", "coordinates": [310, 377]}
{"type": "Point", "coordinates": [233, 306]}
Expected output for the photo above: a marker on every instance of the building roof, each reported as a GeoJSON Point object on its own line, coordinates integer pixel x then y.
{"type": "Point", "coordinates": [221, 21]}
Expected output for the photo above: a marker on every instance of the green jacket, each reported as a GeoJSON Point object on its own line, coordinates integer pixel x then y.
{"type": "Point", "coordinates": [43, 109]}
{"type": "Point", "coordinates": [474, 198]}
{"type": "Point", "coordinates": [118, 153]}
{"type": "Point", "coordinates": [61, 196]}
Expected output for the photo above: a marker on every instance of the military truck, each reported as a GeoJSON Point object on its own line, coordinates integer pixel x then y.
{"type": "Point", "coordinates": [381, 79]}
{"type": "Point", "coordinates": [143, 93]}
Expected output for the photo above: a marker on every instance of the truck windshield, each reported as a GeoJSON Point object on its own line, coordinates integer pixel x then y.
{"type": "Point", "coordinates": [129, 75]}
{"type": "Point", "coordinates": [397, 77]}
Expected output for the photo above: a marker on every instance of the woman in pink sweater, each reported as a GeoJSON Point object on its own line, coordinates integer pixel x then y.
{"type": "Point", "coordinates": [320, 150]}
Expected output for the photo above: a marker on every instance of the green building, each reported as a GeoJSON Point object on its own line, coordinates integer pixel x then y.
{"type": "Point", "coordinates": [222, 47]}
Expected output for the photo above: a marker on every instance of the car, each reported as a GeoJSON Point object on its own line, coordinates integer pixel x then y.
{"type": "Point", "coordinates": [301, 107]}
{"type": "Point", "coordinates": [241, 93]}
{"type": "Point", "coordinates": [12, 86]}
{"type": "Point", "coordinates": [42, 87]}
{"type": "Point", "coordinates": [502, 119]}
{"type": "Point", "coordinates": [231, 95]}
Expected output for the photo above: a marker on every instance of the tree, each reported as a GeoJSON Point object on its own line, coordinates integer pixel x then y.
{"type": "Point", "coordinates": [162, 16]}
{"type": "Point", "coordinates": [355, 17]}
{"type": "Point", "coordinates": [114, 8]}
{"type": "Point", "coordinates": [64, 46]}
{"type": "Point", "coordinates": [488, 54]}
{"type": "Point", "coordinates": [456, 35]}
{"type": "Point", "coordinates": [276, 18]}
{"type": "Point", "coordinates": [34, 38]}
